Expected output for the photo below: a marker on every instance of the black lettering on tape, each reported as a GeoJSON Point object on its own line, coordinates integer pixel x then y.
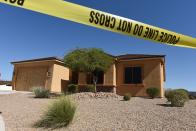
{"type": "Point", "coordinates": [146, 32]}
{"type": "Point", "coordinates": [161, 36]}
{"type": "Point", "coordinates": [18, 2]}
{"type": "Point", "coordinates": [102, 19]}
{"type": "Point", "coordinates": [176, 41]}
{"type": "Point", "coordinates": [138, 30]}
{"type": "Point", "coordinates": [112, 25]}
{"type": "Point", "coordinates": [12, 1]}
{"type": "Point", "coordinates": [92, 13]}
{"type": "Point", "coordinates": [150, 33]}
{"type": "Point", "coordinates": [107, 21]}
{"type": "Point", "coordinates": [119, 26]}
{"type": "Point", "coordinates": [157, 33]}
{"type": "Point", "coordinates": [168, 38]}
{"type": "Point", "coordinates": [97, 15]}
{"type": "Point", "coordinates": [124, 26]}
{"type": "Point", "coordinates": [129, 26]}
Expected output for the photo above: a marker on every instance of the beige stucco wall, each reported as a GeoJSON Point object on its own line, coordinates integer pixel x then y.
{"type": "Point", "coordinates": [46, 74]}
{"type": "Point", "coordinates": [152, 75]}
{"type": "Point", "coordinates": [82, 78]}
{"type": "Point", "coordinates": [110, 76]}
{"type": "Point", "coordinates": [33, 74]}
{"type": "Point", "coordinates": [59, 73]}
{"type": "Point", "coordinates": [29, 75]}
{"type": "Point", "coordinates": [48, 82]}
{"type": "Point", "coordinates": [162, 79]}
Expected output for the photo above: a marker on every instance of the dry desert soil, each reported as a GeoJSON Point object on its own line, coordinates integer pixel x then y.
{"type": "Point", "coordinates": [20, 111]}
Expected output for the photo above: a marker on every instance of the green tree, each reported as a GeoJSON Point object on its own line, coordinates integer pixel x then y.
{"type": "Point", "coordinates": [89, 60]}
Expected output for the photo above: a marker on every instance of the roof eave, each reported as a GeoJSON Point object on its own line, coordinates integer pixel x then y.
{"type": "Point", "coordinates": [38, 60]}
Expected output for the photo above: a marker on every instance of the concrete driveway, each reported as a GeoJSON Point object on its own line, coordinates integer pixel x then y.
{"type": "Point", "coordinates": [6, 90]}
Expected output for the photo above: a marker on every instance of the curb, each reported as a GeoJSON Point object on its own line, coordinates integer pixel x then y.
{"type": "Point", "coordinates": [2, 124]}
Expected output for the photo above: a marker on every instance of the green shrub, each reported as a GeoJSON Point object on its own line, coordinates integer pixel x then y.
{"type": "Point", "coordinates": [89, 88]}
{"type": "Point", "coordinates": [168, 94]}
{"type": "Point", "coordinates": [59, 114]}
{"type": "Point", "coordinates": [153, 92]}
{"type": "Point", "coordinates": [72, 88]}
{"type": "Point", "coordinates": [178, 98]}
{"type": "Point", "coordinates": [41, 92]}
{"type": "Point", "coordinates": [186, 91]}
{"type": "Point", "coordinates": [127, 97]}
{"type": "Point", "coordinates": [183, 90]}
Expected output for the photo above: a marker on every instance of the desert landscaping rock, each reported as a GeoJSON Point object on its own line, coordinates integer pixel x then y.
{"type": "Point", "coordinates": [89, 95]}
{"type": "Point", "coordinates": [21, 110]}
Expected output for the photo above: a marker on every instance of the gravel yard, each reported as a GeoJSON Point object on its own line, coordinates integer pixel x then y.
{"type": "Point", "coordinates": [21, 110]}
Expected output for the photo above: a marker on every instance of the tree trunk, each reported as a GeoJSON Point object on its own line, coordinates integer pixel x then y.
{"type": "Point", "coordinates": [95, 82]}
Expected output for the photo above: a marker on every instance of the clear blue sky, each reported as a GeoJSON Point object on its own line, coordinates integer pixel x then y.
{"type": "Point", "coordinates": [25, 34]}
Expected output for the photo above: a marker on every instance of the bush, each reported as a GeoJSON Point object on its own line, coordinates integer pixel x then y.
{"type": "Point", "coordinates": [178, 98]}
{"type": "Point", "coordinates": [153, 92]}
{"type": "Point", "coordinates": [127, 97]}
{"type": "Point", "coordinates": [89, 88]}
{"type": "Point", "coordinates": [72, 88]}
{"type": "Point", "coordinates": [41, 92]}
{"type": "Point", "coordinates": [168, 94]}
{"type": "Point", "coordinates": [183, 90]}
{"type": "Point", "coordinates": [59, 114]}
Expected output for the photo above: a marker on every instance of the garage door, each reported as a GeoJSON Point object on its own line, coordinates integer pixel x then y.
{"type": "Point", "coordinates": [29, 77]}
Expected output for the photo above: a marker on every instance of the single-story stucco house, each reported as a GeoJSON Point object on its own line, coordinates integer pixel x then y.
{"type": "Point", "coordinates": [129, 74]}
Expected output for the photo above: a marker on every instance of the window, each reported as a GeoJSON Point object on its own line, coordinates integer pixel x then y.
{"type": "Point", "coordinates": [133, 75]}
{"type": "Point", "coordinates": [100, 77]}
{"type": "Point", "coordinates": [74, 77]}
{"type": "Point", "coordinates": [89, 78]}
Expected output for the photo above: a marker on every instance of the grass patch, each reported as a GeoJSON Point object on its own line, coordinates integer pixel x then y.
{"type": "Point", "coordinates": [59, 114]}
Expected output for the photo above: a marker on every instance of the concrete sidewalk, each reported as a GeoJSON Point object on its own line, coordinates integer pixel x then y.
{"type": "Point", "coordinates": [2, 124]}
{"type": "Point", "coordinates": [6, 92]}
{"type": "Point", "coordinates": [5, 88]}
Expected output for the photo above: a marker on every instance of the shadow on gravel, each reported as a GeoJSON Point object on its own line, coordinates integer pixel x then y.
{"type": "Point", "coordinates": [164, 105]}
{"type": "Point", "coordinates": [52, 96]}
{"type": "Point", "coordinates": [149, 98]}
{"type": "Point", "coordinates": [125, 100]}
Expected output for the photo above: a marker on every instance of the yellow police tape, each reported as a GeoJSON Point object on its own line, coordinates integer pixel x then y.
{"type": "Point", "coordinates": [106, 21]}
